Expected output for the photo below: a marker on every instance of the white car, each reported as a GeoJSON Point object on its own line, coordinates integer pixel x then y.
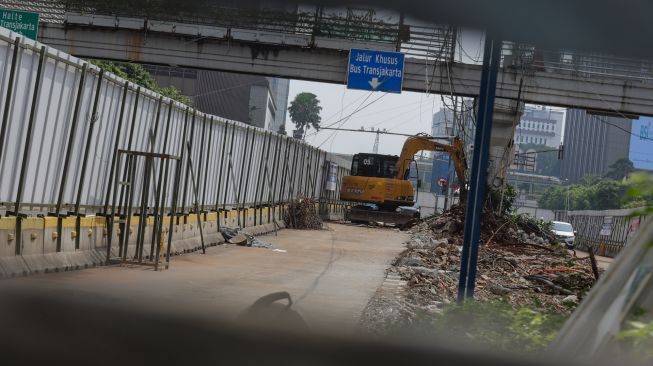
{"type": "Point", "coordinates": [564, 232]}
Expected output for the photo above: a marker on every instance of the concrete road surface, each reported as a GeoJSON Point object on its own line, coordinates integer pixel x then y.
{"type": "Point", "coordinates": [602, 262]}
{"type": "Point", "coordinates": [330, 274]}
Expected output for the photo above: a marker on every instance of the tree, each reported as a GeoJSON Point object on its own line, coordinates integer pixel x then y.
{"type": "Point", "coordinates": [620, 169]}
{"type": "Point", "coordinates": [593, 194]}
{"type": "Point", "coordinates": [590, 180]}
{"type": "Point", "coordinates": [282, 130]}
{"type": "Point", "coordinates": [137, 74]}
{"type": "Point", "coordinates": [305, 112]}
{"type": "Point", "coordinates": [546, 159]}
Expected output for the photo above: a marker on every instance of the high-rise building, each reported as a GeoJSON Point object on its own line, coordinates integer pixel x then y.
{"type": "Point", "coordinates": [593, 143]}
{"type": "Point", "coordinates": [540, 126]}
{"type": "Point", "coordinates": [257, 100]}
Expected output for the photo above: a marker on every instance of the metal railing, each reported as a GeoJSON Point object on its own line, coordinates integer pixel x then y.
{"type": "Point", "coordinates": [604, 232]}
{"type": "Point", "coordinates": [431, 42]}
{"type": "Point", "coordinates": [574, 63]}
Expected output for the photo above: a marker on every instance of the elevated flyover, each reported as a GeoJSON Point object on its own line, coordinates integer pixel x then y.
{"type": "Point", "coordinates": [265, 54]}
{"type": "Point", "coordinates": [312, 43]}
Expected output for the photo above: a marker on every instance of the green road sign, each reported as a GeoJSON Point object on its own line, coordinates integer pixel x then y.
{"type": "Point", "coordinates": [22, 22]}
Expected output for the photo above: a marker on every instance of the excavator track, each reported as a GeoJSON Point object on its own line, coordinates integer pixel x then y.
{"type": "Point", "coordinates": [366, 215]}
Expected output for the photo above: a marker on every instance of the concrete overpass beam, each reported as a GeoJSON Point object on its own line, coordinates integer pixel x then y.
{"type": "Point", "coordinates": [506, 116]}
{"type": "Point", "coordinates": [329, 65]}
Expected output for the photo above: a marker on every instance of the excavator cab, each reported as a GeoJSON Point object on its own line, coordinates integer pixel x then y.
{"type": "Point", "coordinates": [374, 165]}
{"type": "Point", "coordinates": [372, 181]}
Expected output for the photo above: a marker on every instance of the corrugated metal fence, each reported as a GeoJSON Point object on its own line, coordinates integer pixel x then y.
{"type": "Point", "coordinates": [64, 121]}
{"type": "Point", "coordinates": [606, 232]}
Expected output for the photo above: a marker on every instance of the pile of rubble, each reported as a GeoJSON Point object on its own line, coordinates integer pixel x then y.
{"type": "Point", "coordinates": [302, 214]}
{"type": "Point", "coordinates": [239, 237]}
{"type": "Point", "coordinates": [518, 263]}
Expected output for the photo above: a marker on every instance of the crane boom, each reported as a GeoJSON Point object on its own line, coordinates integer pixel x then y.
{"type": "Point", "coordinates": [415, 144]}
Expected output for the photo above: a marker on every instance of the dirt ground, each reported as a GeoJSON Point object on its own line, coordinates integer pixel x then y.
{"type": "Point", "coordinates": [330, 275]}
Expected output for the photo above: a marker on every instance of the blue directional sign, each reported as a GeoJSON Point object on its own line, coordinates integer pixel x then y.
{"type": "Point", "coordinates": [375, 70]}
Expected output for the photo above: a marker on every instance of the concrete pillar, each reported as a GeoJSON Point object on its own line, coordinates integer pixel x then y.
{"type": "Point", "coordinates": [505, 119]}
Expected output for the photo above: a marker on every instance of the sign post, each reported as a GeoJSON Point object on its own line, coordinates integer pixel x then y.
{"type": "Point", "coordinates": [375, 70]}
{"type": "Point", "coordinates": [332, 177]}
{"type": "Point", "coordinates": [22, 22]}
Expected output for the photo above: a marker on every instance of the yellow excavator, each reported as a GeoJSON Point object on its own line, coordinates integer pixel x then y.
{"type": "Point", "coordinates": [379, 183]}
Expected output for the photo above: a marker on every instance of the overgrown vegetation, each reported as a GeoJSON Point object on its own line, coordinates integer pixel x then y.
{"type": "Point", "coordinates": [640, 193]}
{"type": "Point", "coordinates": [137, 74]}
{"type": "Point", "coordinates": [638, 336]}
{"type": "Point", "coordinates": [502, 200]}
{"type": "Point", "coordinates": [496, 325]}
{"type": "Point", "coordinates": [620, 169]}
{"type": "Point", "coordinates": [639, 332]}
{"type": "Point", "coordinates": [596, 193]}
{"type": "Point", "coordinates": [533, 224]}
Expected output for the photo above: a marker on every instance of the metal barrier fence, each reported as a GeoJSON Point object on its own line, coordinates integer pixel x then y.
{"type": "Point", "coordinates": [64, 121]}
{"type": "Point", "coordinates": [605, 232]}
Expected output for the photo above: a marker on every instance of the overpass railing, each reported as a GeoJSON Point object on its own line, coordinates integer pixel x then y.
{"type": "Point", "coordinates": [584, 65]}
{"type": "Point", "coordinates": [430, 41]}
{"type": "Point", "coordinates": [310, 25]}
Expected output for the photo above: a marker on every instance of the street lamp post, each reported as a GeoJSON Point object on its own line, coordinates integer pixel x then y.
{"type": "Point", "coordinates": [567, 205]}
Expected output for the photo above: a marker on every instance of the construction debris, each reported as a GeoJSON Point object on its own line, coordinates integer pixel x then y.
{"type": "Point", "coordinates": [239, 237]}
{"type": "Point", "coordinates": [517, 262]}
{"type": "Point", "coordinates": [302, 214]}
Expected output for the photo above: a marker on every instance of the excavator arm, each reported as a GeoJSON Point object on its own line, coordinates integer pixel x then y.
{"type": "Point", "coordinates": [418, 143]}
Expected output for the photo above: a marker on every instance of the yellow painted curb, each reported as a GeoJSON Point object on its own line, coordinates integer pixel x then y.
{"type": "Point", "coordinates": [33, 223]}
{"type": "Point", "coordinates": [7, 223]}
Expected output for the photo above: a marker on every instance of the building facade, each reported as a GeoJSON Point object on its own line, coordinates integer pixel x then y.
{"type": "Point", "coordinates": [540, 125]}
{"type": "Point", "coordinates": [257, 100]}
{"type": "Point", "coordinates": [593, 143]}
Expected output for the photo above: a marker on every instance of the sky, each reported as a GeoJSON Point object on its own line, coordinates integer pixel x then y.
{"type": "Point", "coordinates": [407, 112]}
{"type": "Point", "coordinates": [641, 144]}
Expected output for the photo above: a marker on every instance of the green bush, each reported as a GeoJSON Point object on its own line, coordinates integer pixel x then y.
{"type": "Point", "coordinates": [137, 74]}
{"type": "Point", "coordinates": [508, 194]}
{"type": "Point", "coordinates": [532, 224]}
{"type": "Point", "coordinates": [639, 337]}
{"type": "Point", "coordinates": [496, 325]}
{"type": "Point", "coordinates": [596, 193]}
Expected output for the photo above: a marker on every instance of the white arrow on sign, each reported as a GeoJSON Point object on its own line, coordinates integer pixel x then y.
{"type": "Point", "coordinates": [375, 83]}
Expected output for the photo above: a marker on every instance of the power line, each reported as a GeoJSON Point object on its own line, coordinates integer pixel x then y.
{"type": "Point", "coordinates": [344, 120]}
{"type": "Point", "coordinates": [388, 133]}
{"type": "Point", "coordinates": [358, 109]}
{"type": "Point", "coordinates": [619, 127]}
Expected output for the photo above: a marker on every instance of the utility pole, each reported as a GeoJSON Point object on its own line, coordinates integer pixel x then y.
{"type": "Point", "coordinates": [567, 205]}
{"type": "Point", "coordinates": [375, 149]}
